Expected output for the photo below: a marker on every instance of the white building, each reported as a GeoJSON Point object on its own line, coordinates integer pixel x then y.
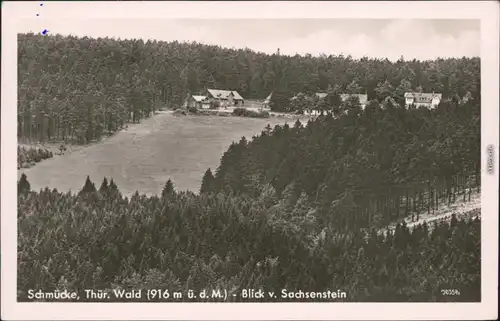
{"type": "Point", "coordinates": [422, 99]}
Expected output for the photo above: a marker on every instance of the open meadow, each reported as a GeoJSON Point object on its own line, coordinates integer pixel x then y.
{"type": "Point", "coordinates": [144, 156]}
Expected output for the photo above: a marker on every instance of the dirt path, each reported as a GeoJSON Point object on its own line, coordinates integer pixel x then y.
{"type": "Point", "coordinates": [444, 212]}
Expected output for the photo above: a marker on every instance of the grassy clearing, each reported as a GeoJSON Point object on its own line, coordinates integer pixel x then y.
{"type": "Point", "coordinates": [144, 156]}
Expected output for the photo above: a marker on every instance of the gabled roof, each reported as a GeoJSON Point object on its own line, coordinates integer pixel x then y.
{"type": "Point", "coordinates": [199, 98]}
{"type": "Point", "coordinates": [321, 95]}
{"type": "Point", "coordinates": [297, 95]}
{"type": "Point", "coordinates": [224, 94]}
{"type": "Point", "coordinates": [363, 98]}
{"type": "Point", "coordinates": [237, 96]}
{"type": "Point", "coordinates": [423, 97]}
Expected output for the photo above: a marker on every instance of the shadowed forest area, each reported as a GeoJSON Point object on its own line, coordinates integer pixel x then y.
{"type": "Point", "coordinates": [295, 207]}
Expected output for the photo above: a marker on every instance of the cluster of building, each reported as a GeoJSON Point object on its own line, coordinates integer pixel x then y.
{"type": "Point", "coordinates": [426, 100]}
{"type": "Point", "coordinates": [231, 98]}
{"type": "Point", "coordinates": [416, 99]}
{"type": "Point", "coordinates": [215, 97]}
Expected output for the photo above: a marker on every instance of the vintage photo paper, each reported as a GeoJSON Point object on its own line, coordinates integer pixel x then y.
{"type": "Point", "coordinates": [249, 160]}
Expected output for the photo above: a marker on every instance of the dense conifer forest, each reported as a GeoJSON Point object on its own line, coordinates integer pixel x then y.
{"type": "Point", "coordinates": [80, 89]}
{"type": "Point", "coordinates": [369, 167]}
{"type": "Point", "coordinates": [181, 241]}
{"type": "Point", "coordinates": [296, 207]}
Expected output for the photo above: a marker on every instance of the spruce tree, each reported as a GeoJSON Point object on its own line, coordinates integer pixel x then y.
{"type": "Point", "coordinates": [454, 220]}
{"type": "Point", "coordinates": [352, 106]}
{"type": "Point", "coordinates": [23, 186]}
{"type": "Point", "coordinates": [169, 189]}
{"type": "Point", "coordinates": [297, 125]}
{"type": "Point", "coordinates": [112, 186]}
{"type": "Point", "coordinates": [104, 186]}
{"type": "Point", "coordinates": [89, 187]}
{"type": "Point", "coordinates": [113, 189]}
{"type": "Point", "coordinates": [207, 183]}
{"type": "Point", "coordinates": [280, 101]}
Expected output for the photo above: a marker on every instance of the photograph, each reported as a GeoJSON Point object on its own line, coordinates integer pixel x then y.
{"type": "Point", "coordinates": [242, 163]}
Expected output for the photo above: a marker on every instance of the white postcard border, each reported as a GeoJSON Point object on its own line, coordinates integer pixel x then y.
{"type": "Point", "coordinates": [14, 12]}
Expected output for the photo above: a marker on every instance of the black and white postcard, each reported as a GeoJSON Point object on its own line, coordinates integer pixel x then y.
{"type": "Point", "coordinates": [249, 160]}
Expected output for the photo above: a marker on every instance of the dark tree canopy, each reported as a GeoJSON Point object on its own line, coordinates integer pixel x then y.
{"type": "Point", "coordinates": [387, 157]}
{"type": "Point", "coordinates": [81, 89]}
{"type": "Point", "coordinates": [23, 186]}
{"type": "Point", "coordinates": [89, 187]}
{"type": "Point", "coordinates": [168, 189]}
{"type": "Point", "coordinates": [217, 240]}
{"type": "Point", "coordinates": [104, 186]}
{"type": "Point", "coordinates": [207, 183]}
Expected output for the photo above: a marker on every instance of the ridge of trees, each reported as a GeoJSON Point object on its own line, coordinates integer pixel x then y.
{"type": "Point", "coordinates": [182, 241]}
{"type": "Point", "coordinates": [379, 164]}
{"type": "Point", "coordinates": [80, 89]}
{"type": "Point", "coordinates": [287, 209]}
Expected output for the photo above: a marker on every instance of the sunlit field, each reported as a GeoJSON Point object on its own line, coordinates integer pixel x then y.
{"type": "Point", "coordinates": [146, 155]}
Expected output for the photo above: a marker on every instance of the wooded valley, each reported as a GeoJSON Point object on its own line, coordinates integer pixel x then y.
{"type": "Point", "coordinates": [297, 207]}
{"type": "Point", "coordinates": [78, 90]}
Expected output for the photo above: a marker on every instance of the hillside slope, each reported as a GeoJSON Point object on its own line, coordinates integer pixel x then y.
{"type": "Point", "coordinates": [462, 209]}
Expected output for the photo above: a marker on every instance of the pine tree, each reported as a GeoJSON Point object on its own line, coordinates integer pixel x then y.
{"type": "Point", "coordinates": [298, 125]}
{"type": "Point", "coordinates": [280, 101]}
{"type": "Point", "coordinates": [104, 186]}
{"type": "Point", "coordinates": [89, 187]}
{"type": "Point", "coordinates": [352, 106]}
{"type": "Point", "coordinates": [168, 190]}
{"type": "Point", "coordinates": [299, 104]}
{"type": "Point", "coordinates": [384, 90]}
{"type": "Point", "coordinates": [112, 186]}
{"type": "Point", "coordinates": [454, 220]}
{"type": "Point", "coordinates": [333, 100]}
{"type": "Point", "coordinates": [207, 183]}
{"type": "Point", "coordinates": [113, 189]}
{"type": "Point", "coordinates": [23, 186]}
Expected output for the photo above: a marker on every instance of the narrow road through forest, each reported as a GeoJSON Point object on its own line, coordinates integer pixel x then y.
{"type": "Point", "coordinates": [460, 208]}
